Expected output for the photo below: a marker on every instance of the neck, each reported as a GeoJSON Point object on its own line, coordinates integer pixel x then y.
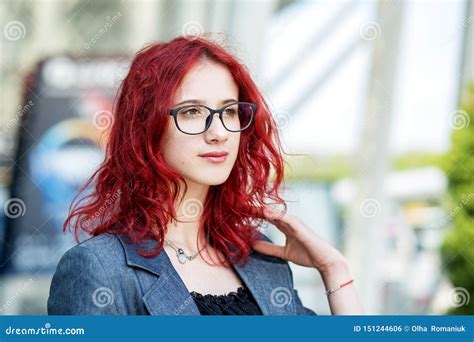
{"type": "Point", "coordinates": [184, 231]}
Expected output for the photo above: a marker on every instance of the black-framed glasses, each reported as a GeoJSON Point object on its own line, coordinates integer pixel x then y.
{"type": "Point", "coordinates": [196, 119]}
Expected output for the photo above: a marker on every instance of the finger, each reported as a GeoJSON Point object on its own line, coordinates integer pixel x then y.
{"type": "Point", "coordinates": [272, 213]}
{"type": "Point", "coordinates": [268, 248]}
{"type": "Point", "coordinates": [286, 223]}
{"type": "Point", "coordinates": [285, 228]}
{"type": "Point", "coordinates": [280, 215]}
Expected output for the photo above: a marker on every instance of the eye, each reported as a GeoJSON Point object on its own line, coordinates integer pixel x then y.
{"type": "Point", "coordinates": [191, 111]}
{"type": "Point", "coordinates": [231, 111]}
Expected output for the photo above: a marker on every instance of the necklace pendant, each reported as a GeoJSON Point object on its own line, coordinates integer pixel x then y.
{"type": "Point", "coordinates": [181, 257]}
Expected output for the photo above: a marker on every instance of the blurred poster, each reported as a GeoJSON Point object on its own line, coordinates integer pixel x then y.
{"type": "Point", "coordinates": [61, 142]}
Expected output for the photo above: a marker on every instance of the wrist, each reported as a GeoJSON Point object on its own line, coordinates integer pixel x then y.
{"type": "Point", "coordinates": [338, 266]}
{"type": "Point", "coordinates": [336, 275]}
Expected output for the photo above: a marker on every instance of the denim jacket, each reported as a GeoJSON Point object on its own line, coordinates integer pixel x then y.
{"type": "Point", "coordinates": [105, 275]}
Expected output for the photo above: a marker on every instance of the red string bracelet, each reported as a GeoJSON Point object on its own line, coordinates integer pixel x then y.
{"type": "Point", "coordinates": [328, 292]}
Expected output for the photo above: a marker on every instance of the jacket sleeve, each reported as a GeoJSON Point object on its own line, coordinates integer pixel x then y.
{"type": "Point", "coordinates": [80, 286]}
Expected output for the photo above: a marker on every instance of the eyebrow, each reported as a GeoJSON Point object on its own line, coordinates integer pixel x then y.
{"type": "Point", "coordinates": [200, 102]}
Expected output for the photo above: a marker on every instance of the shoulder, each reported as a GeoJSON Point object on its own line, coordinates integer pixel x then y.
{"type": "Point", "coordinates": [98, 253]}
{"type": "Point", "coordinates": [102, 245]}
{"type": "Point", "coordinates": [90, 277]}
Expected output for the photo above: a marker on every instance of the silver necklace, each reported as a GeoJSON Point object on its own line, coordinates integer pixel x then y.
{"type": "Point", "coordinates": [180, 254]}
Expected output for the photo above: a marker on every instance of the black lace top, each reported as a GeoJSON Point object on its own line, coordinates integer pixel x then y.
{"type": "Point", "coordinates": [240, 302]}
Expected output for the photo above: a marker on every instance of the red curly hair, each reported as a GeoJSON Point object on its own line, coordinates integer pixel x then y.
{"type": "Point", "coordinates": [135, 191]}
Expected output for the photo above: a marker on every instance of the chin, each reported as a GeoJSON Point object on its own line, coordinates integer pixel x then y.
{"type": "Point", "coordinates": [216, 181]}
{"type": "Point", "coordinates": [210, 179]}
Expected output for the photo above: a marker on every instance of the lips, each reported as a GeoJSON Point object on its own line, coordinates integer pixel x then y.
{"type": "Point", "coordinates": [214, 154]}
{"type": "Point", "coordinates": [215, 157]}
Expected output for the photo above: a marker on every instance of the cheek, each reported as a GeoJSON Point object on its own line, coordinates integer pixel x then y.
{"type": "Point", "coordinates": [178, 151]}
{"type": "Point", "coordinates": [236, 143]}
{"type": "Point", "coordinates": [233, 148]}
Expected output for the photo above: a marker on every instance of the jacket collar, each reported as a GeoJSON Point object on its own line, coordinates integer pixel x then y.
{"type": "Point", "coordinates": [169, 296]}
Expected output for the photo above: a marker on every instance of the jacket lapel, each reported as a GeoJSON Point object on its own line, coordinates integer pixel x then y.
{"type": "Point", "coordinates": [269, 282]}
{"type": "Point", "coordinates": [267, 279]}
{"type": "Point", "coordinates": [166, 295]}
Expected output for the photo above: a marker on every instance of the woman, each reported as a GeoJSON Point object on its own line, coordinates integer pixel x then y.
{"type": "Point", "coordinates": [178, 200]}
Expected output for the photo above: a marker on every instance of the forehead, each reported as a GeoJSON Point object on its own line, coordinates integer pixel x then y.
{"type": "Point", "coordinates": [207, 81]}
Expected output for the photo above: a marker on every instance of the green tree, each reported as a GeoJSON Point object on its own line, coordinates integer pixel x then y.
{"type": "Point", "coordinates": [458, 246]}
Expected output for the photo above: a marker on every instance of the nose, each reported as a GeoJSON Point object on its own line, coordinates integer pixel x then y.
{"type": "Point", "coordinates": [217, 130]}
